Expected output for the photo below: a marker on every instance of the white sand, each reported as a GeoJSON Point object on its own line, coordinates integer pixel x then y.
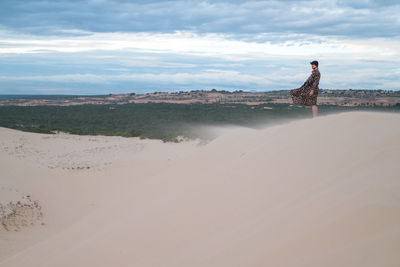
{"type": "Point", "coordinates": [313, 192]}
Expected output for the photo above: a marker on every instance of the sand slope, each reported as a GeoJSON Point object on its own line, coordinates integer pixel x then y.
{"type": "Point", "coordinates": [313, 192]}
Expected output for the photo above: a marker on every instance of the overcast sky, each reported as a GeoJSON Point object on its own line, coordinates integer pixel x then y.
{"type": "Point", "coordinates": [117, 46]}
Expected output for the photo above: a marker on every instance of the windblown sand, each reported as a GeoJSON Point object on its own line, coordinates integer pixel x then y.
{"type": "Point", "coordinates": [312, 192]}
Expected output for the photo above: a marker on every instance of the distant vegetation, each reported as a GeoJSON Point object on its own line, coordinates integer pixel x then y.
{"type": "Point", "coordinates": [163, 121]}
{"type": "Point", "coordinates": [326, 97]}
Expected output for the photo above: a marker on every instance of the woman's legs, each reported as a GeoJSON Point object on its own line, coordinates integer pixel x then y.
{"type": "Point", "coordinates": [314, 110]}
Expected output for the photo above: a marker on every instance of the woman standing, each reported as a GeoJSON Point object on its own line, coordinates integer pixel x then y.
{"type": "Point", "coordinates": [308, 92]}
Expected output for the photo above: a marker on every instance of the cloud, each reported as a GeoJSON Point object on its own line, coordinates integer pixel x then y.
{"type": "Point", "coordinates": [188, 43]}
{"type": "Point", "coordinates": [283, 78]}
{"type": "Point", "coordinates": [206, 77]}
{"type": "Point", "coordinates": [242, 19]}
{"type": "Point", "coordinates": [145, 45]}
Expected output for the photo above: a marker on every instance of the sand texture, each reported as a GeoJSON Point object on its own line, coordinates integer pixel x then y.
{"type": "Point", "coordinates": [311, 192]}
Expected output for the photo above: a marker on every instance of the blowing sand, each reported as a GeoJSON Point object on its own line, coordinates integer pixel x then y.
{"type": "Point", "coordinates": [312, 192]}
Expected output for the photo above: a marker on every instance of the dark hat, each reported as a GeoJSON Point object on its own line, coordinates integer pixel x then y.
{"type": "Point", "coordinates": [314, 63]}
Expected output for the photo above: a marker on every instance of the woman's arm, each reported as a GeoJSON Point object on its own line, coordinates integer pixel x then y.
{"type": "Point", "coordinates": [314, 84]}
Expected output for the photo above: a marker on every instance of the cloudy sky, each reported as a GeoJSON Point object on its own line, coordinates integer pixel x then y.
{"type": "Point", "coordinates": [120, 46]}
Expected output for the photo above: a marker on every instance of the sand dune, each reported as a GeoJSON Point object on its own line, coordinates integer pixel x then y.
{"type": "Point", "coordinates": [312, 192]}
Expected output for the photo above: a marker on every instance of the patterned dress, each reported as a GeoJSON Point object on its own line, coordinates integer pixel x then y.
{"type": "Point", "coordinates": [301, 95]}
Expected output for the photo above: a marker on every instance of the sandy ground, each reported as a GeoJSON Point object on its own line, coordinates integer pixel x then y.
{"type": "Point", "coordinates": [312, 192]}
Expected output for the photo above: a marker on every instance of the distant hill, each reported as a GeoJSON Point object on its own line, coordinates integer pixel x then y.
{"type": "Point", "coordinates": [350, 97]}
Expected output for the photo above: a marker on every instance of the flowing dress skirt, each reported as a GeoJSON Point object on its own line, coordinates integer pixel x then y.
{"type": "Point", "coordinates": [301, 96]}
